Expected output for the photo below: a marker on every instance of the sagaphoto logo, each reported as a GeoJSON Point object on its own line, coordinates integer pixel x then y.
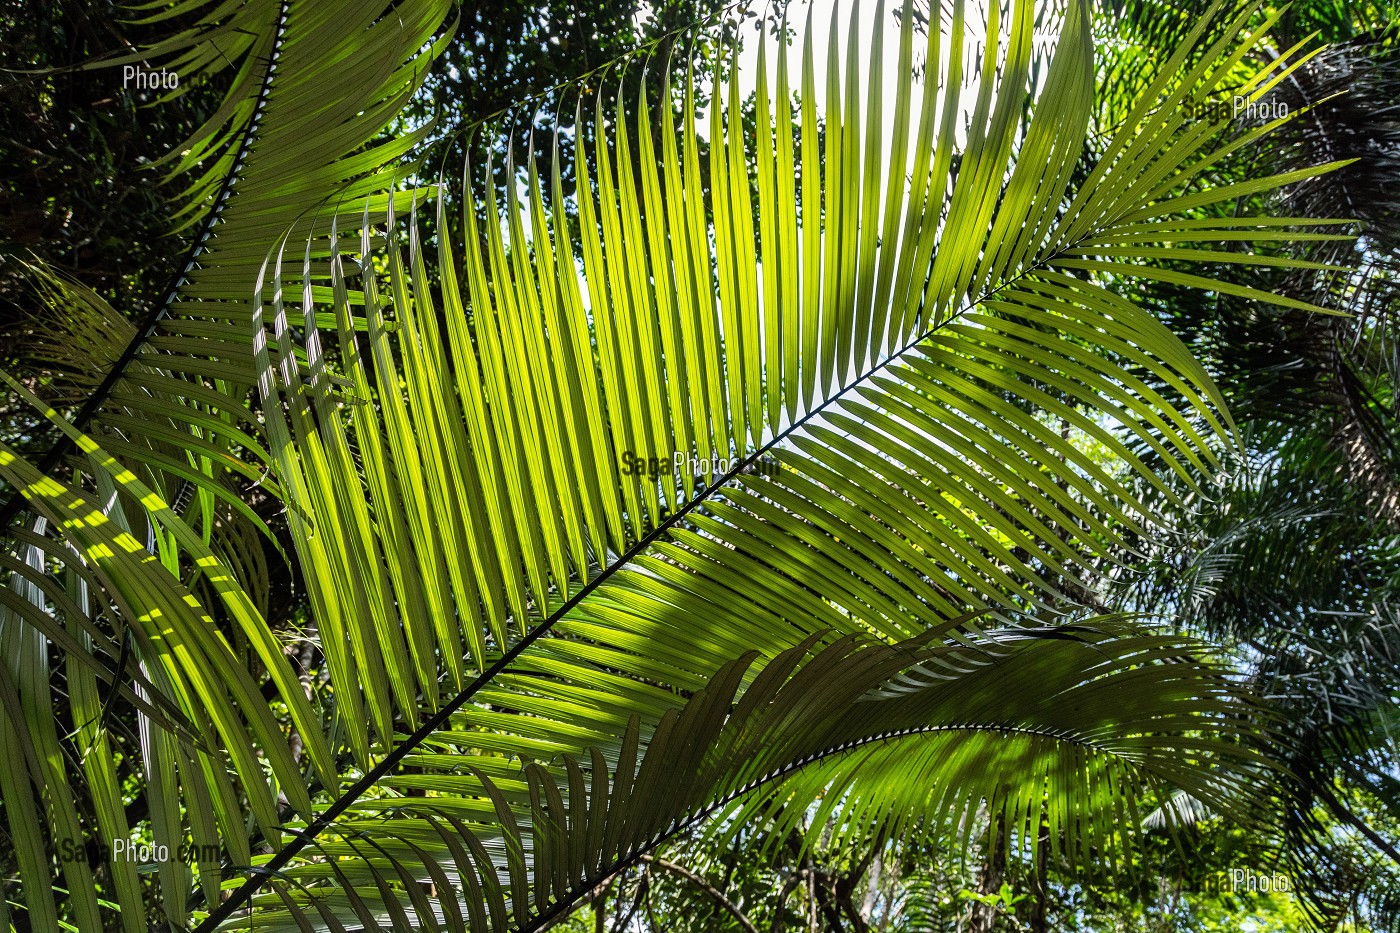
{"type": "Point", "coordinates": [682, 464]}
{"type": "Point", "coordinates": [1248, 881]}
{"type": "Point", "coordinates": [1237, 107]}
{"type": "Point", "coordinates": [141, 853]}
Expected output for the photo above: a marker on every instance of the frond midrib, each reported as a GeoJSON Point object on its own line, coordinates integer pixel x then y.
{"type": "Point", "coordinates": [442, 717]}
{"type": "Point", "coordinates": [65, 444]}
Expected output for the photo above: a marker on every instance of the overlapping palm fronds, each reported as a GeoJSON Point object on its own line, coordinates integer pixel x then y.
{"type": "Point", "coordinates": [888, 362]}
{"type": "Point", "coordinates": [132, 532]}
{"type": "Point", "coordinates": [849, 375]}
{"type": "Point", "coordinates": [1317, 399]}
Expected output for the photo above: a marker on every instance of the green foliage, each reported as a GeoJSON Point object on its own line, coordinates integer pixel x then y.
{"type": "Point", "coordinates": [79, 188]}
{"type": "Point", "coordinates": [1295, 562]}
{"type": "Point", "coordinates": [536, 666]}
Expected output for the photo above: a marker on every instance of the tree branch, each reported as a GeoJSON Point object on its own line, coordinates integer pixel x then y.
{"type": "Point", "coordinates": [714, 893]}
{"type": "Point", "coordinates": [1341, 812]}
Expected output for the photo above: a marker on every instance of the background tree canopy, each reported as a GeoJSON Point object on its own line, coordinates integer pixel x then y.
{"type": "Point", "coordinates": [1015, 537]}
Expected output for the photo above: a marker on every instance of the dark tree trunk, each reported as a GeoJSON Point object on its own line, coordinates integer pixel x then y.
{"type": "Point", "coordinates": [983, 919]}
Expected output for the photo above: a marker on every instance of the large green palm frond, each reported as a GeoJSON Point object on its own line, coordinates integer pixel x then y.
{"type": "Point", "coordinates": [930, 728]}
{"type": "Point", "coordinates": [578, 418]}
{"type": "Point", "coordinates": [901, 330]}
{"type": "Point", "coordinates": [170, 394]}
{"type": "Point", "coordinates": [133, 570]}
{"type": "Point", "coordinates": [927, 318]}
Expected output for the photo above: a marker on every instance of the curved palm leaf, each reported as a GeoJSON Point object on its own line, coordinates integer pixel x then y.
{"type": "Point", "coordinates": [114, 573]}
{"type": "Point", "coordinates": [267, 160]}
{"type": "Point", "coordinates": [899, 364]}
{"type": "Point", "coordinates": [486, 575]}
{"type": "Point", "coordinates": [929, 728]}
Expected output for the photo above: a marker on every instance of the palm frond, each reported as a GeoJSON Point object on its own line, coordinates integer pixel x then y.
{"type": "Point", "coordinates": [905, 376]}
{"type": "Point", "coordinates": [864, 725]}
{"type": "Point", "coordinates": [278, 152]}
{"type": "Point", "coordinates": [138, 596]}
{"type": "Point", "coordinates": [871, 360]}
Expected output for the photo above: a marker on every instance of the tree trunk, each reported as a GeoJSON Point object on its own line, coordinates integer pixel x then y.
{"type": "Point", "coordinates": [1040, 896]}
{"type": "Point", "coordinates": [983, 919]}
{"type": "Point", "coordinates": [872, 888]}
